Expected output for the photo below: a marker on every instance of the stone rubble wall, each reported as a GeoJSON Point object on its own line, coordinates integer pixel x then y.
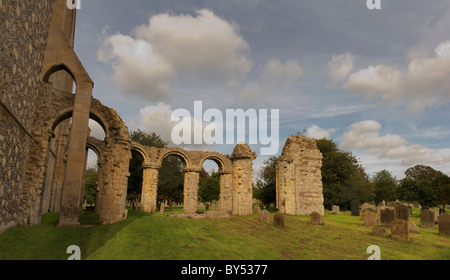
{"type": "Point", "coordinates": [299, 179]}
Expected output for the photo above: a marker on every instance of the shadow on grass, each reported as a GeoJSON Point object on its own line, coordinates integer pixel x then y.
{"type": "Point", "coordinates": [48, 242]}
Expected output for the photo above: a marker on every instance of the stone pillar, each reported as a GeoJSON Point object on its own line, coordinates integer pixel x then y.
{"type": "Point", "coordinates": [299, 178]}
{"type": "Point", "coordinates": [242, 179]}
{"type": "Point", "coordinates": [75, 166]}
{"type": "Point", "coordinates": [226, 192]}
{"type": "Point", "coordinates": [191, 179]}
{"type": "Point", "coordinates": [149, 189]}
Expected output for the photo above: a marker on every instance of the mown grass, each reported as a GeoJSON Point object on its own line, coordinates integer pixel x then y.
{"type": "Point", "coordinates": [156, 237]}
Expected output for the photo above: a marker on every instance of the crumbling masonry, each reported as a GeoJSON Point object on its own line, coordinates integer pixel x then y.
{"type": "Point", "coordinates": [46, 101]}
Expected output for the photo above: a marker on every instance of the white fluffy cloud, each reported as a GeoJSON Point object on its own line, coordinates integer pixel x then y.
{"type": "Point", "coordinates": [366, 136]}
{"type": "Point", "coordinates": [424, 84]}
{"type": "Point", "coordinates": [203, 47]}
{"type": "Point", "coordinates": [316, 132]}
{"type": "Point", "coordinates": [339, 67]}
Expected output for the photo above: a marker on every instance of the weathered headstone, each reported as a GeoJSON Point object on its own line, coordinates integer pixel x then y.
{"type": "Point", "coordinates": [316, 218]}
{"type": "Point", "coordinates": [335, 209]}
{"type": "Point", "coordinates": [369, 217]}
{"type": "Point", "coordinates": [379, 231]}
{"type": "Point", "coordinates": [355, 208]}
{"type": "Point", "coordinates": [444, 224]}
{"type": "Point", "coordinates": [427, 219]}
{"type": "Point", "coordinates": [400, 229]}
{"type": "Point", "coordinates": [413, 227]}
{"type": "Point", "coordinates": [278, 220]}
{"type": "Point", "coordinates": [401, 212]}
{"type": "Point", "coordinates": [161, 209]}
{"type": "Point", "coordinates": [257, 210]}
{"type": "Point", "coordinates": [367, 205]}
{"type": "Point", "coordinates": [264, 216]}
{"type": "Point", "coordinates": [387, 215]}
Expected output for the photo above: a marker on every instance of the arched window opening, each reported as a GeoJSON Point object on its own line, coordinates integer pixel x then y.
{"type": "Point", "coordinates": [171, 183]}
{"type": "Point", "coordinates": [209, 186]}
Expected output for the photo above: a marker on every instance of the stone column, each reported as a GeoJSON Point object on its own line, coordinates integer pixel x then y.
{"type": "Point", "coordinates": [191, 179]}
{"type": "Point", "coordinates": [226, 192]}
{"type": "Point", "coordinates": [73, 177]}
{"type": "Point", "coordinates": [149, 189]}
{"type": "Point", "coordinates": [242, 174]}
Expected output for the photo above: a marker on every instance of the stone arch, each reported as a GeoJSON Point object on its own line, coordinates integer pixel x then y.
{"type": "Point", "coordinates": [97, 146]}
{"type": "Point", "coordinates": [55, 68]}
{"type": "Point", "coordinates": [222, 162]}
{"type": "Point", "coordinates": [141, 150]}
{"type": "Point", "coordinates": [182, 154]}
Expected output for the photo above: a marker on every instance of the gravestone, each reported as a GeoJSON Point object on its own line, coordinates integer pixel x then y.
{"type": "Point", "coordinates": [278, 220]}
{"type": "Point", "coordinates": [366, 205]}
{"type": "Point", "coordinates": [400, 229]}
{"type": "Point", "coordinates": [444, 224]}
{"type": "Point", "coordinates": [161, 209]}
{"type": "Point", "coordinates": [257, 210]}
{"type": "Point", "coordinates": [427, 219]}
{"type": "Point", "coordinates": [401, 212]}
{"type": "Point", "coordinates": [413, 227]}
{"type": "Point", "coordinates": [355, 208]}
{"type": "Point", "coordinates": [335, 209]}
{"type": "Point", "coordinates": [369, 217]}
{"type": "Point", "coordinates": [316, 218]}
{"type": "Point", "coordinates": [387, 215]}
{"type": "Point", "coordinates": [264, 216]}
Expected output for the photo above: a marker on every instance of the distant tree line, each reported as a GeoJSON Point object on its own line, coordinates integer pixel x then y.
{"type": "Point", "coordinates": [344, 179]}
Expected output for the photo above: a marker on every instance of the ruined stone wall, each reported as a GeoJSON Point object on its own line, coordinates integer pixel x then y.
{"type": "Point", "coordinates": [299, 179]}
{"type": "Point", "coordinates": [23, 34]}
{"type": "Point", "coordinates": [242, 182]}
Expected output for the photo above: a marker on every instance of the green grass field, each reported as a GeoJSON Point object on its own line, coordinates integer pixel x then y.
{"type": "Point", "coordinates": [154, 237]}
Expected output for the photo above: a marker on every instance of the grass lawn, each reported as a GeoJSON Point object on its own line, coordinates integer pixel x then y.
{"type": "Point", "coordinates": [155, 237]}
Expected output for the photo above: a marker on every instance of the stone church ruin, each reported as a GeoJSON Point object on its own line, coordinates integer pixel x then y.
{"type": "Point", "coordinates": [46, 102]}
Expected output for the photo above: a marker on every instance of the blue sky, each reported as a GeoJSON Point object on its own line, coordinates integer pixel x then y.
{"type": "Point", "coordinates": [375, 81]}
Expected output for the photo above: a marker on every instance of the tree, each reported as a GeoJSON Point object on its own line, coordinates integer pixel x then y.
{"type": "Point", "coordinates": [422, 172]}
{"type": "Point", "coordinates": [209, 187]}
{"type": "Point", "coordinates": [408, 190]}
{"type": "Point", "coordinates": [441, 186]}
{"type": "Point", "coordinates": [90, 184]}
{"type": "Point", "coordinates": [343, 178]}
{"type": "Point", "coordinates": [265, 189]}
{"type": "Point", "coordinates": [385, 186]}
{"type": "Point", "coordinates": [171, 180]}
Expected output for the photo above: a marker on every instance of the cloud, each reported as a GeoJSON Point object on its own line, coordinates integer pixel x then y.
{"type": "Point", "coordinates": [316, 132]}
{"type": "Point", "coordinates": [424, 84]}
{"type": "Point", "coordinates": [339, 67]}
{"type": "Point", "coordinates": [204, 47]}
{"type": "Point", "coordinates": [365, 135]}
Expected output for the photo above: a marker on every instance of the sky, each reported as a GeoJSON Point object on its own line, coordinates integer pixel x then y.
{"type": "Point", "coordinates": [376, 81]}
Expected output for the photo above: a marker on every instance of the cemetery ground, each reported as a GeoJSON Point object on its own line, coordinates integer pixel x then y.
{"type": "Point", "coordinates": [155, 237]}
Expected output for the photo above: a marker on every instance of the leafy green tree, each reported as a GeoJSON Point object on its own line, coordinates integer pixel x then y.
{"type": "Point", "coordinates": [422, 172]}
{"type": "Point", "coordinates": [171, 180]}
{"type": "Point", "coordinates": [385, 186]}
{"type": "Point", "coordinates": [408, 190]}
{"type": "Point", "coordinates": [441, 186]}
{"type": "Point", "coordinates": [265, 189]}
{"type": "Point", "coordinates": [343, 177]}
{"type": "Point", "coordinates": [209, 188]}
{"type": "Point", "coordinates": [90, 184]}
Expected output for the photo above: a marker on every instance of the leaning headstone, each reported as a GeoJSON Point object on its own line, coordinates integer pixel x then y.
{"type": "Point", "coordinates": [316, 218]}
{"type": "Point", "coordinates": [264, 216]}
{"type": "Point", "coordinates": [444, 224]}
{"type": "Point", "coordinates": [369, 217]}
{"type": "Point", "coordinates": [335, 209]}
{"type": "Point", "coordinates": [401, 212]}
{"type": "Point", "coordinates": [355, 208]}
{"type": "Point", "coordinates": [413, 227]}
{"type": "Point", "coordinates": [427, 219]}
{"type": "Point", "coordinates": [379, 231]}
{"type": "Point", "coordinates": [278, 220]}
{"type": "Point", "coordinates": [387, 215]}
{"type": "Point", "coordinates": [400, 229]}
